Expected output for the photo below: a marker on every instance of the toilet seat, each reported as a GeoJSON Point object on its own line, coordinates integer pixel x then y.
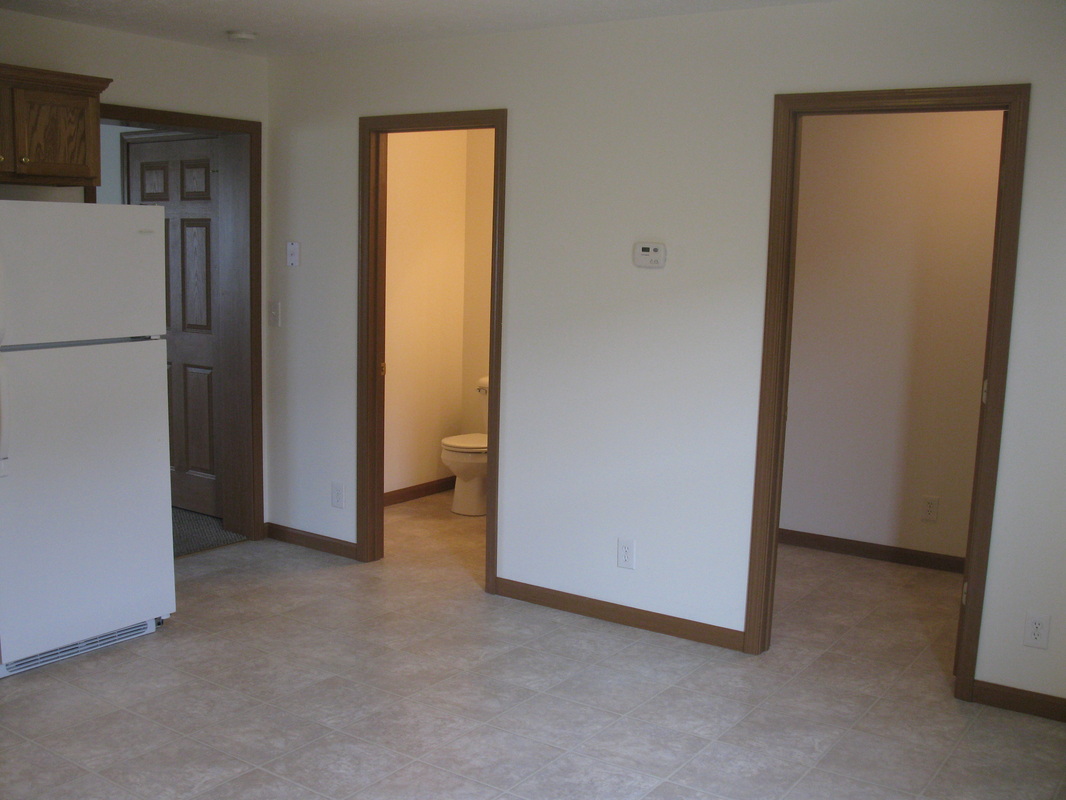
{"type": "Point", "coordinates": [466, 443]}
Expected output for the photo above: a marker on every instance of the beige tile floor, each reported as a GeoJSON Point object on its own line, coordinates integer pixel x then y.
{"type": "Point", "coordinates": [293, 675]}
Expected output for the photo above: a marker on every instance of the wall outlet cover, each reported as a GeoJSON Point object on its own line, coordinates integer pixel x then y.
{"type": "Point", "coordinates": [1037, 630]}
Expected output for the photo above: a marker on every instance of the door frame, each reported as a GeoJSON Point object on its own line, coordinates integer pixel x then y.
{"type": "Point", "coordinates": [789, 110]}
{"type": "Point", "coordinates": [241, 397]}
{"type": "Point", "coordinates": [370, 425]}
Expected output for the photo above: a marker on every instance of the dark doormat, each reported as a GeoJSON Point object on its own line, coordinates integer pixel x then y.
{"type": "Point", "coordinates": [195, 532]}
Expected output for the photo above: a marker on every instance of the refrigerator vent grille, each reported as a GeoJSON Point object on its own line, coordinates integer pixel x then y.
{"type": "Point", "coordinates": [76, 649]}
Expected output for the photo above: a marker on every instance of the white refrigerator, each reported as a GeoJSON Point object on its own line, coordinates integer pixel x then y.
{"type": "Point", "coordinates": [86, 552]}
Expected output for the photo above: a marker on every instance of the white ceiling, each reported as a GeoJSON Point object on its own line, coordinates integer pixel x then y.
{"type": "Point", "coordinates": [293, 26]}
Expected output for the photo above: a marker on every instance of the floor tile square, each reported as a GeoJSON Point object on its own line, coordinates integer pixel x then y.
{"type": "Point", "coordinates": [819, 785]}
{"type": "Point", "coordinates": [642, 746]}
{"type": "Point", "coordinates": [554, 721]}
{"type": "Point", "coordinates": [420, 781]}
{"type": "Point", "coordinates": [410, 728]}
{"type": "Point", "coordinates": [886, 762]}
{"type": "Point", "coordinates": [574, 776]}
{"type": "Point", "coordinates": [260, 734]}
{"type": "Point", "coordinates": [178, 770]}
{"type": "Point", "coordinates": [28, 770]}
{"type": "Point", "coordinates": [783, 736]}
{"type": "Point", "coordinates": [337, 765]}
{"type": "Point", "coordinates": [109, 738]}
{"type": "Point", "coordinates": [336, 702]}
{"type": "Point", "coordinates": [493, 756]}
{"type": "Point", "coordinates": [473, 695]}
{"type": "Point", "coordinates": [704, 715]}
{"type": "Point", "coordinates": [534, 669]}
{"type": "Point", "coordinates": [608, 688]}
{"type": "Point", "coordinates": [739, 773]}
{"type": "Point", "coordinates": [259, 785]}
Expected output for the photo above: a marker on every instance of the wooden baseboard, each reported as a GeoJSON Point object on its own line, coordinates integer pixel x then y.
{"type": "Point", "coordinates": [624, 615]}
{"type": "Point", "coordinates": [421, 490]}
{"type": "Point", "coordinates": [312, 540]}
{"type": "Point", "coordinates": [1040, 705]}
{"type": "Point", "coordinates": [880, 552]}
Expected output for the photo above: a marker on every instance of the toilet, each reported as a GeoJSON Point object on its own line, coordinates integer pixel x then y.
{"type": "Point", "coordinates": [467, 455]}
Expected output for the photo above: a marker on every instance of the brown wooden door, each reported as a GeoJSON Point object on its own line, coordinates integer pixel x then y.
{"type": "Point", "coordinates": [184, 176]}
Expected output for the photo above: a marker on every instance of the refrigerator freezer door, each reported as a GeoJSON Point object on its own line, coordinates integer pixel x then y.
{"type": "Point", "coordinates": [85, 522]}
{"type": "Point", "coordinates": [77, 271]}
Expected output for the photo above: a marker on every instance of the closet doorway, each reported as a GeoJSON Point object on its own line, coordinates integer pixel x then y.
{"type": "Point", "coordinates": [790, 110]}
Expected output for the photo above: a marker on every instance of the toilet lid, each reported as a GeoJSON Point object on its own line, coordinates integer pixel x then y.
{"type": "Point", "coordinates": [466, 442]}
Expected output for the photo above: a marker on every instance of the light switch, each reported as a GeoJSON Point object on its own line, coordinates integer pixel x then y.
{"type": "Point", "coordinates": [292, 254]}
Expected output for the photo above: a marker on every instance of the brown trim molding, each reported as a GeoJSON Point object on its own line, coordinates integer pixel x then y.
{"type": "Point", "coordinates": [418, 490]}
{"type": "Point", "coordinates": [789, 111]}
{"type": "Point", "coordinates": [879, 552]}
{"type": "Point", "coordinates": [623, 615]}
{"type": "Point", "coordinates": [243, 447]}
{"type": "Point", "coordinates": [314, 541]}
{"type": "Point", "coordinates": [370, 383]}
{"type": "Point", "coordinates": [1041, 705]}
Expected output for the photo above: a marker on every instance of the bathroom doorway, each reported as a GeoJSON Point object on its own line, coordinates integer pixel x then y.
{"type": "Point", "coordinates": [431, 199]}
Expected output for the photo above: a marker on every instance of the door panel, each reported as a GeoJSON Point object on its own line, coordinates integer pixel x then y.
{"type": "Point", "coordinates": [184, 177]}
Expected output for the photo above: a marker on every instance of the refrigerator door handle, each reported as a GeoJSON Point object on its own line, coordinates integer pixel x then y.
{"type": "Point", "coordinates": [3, 423]}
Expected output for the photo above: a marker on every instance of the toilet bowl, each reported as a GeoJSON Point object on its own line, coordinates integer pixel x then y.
{"type": "Point", "coordinates": [467, 455]}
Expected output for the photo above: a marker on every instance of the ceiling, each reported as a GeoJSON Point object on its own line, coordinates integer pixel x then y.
{"type": "Point", "coordinates": [294, 26]}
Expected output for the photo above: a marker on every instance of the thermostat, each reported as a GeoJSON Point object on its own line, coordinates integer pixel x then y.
{"type": "Point", "coordinates": [649, 254]}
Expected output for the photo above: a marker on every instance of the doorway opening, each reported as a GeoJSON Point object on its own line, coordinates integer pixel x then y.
{"type": "Point", "coordinates": [390, 237]}
{"type": "Point", "coordinates": [790, 111]}
{"type": "Point", "coordinates": [206, 172]}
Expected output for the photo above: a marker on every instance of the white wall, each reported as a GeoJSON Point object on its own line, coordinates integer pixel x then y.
{"type": "Point", "coordinates": [110, 189]}
{"type": "Point", "coordinates": [629, 397]}
{"type": "Point", "coordinates": [425, 254]}
{"type": "Point", "coordinates": [890, 305]}
{"type": "Point", "coordinates": [477, 294]}
{"type": "Point", "coordinates": [145, 71]}
{"type": "Point", "coordinates": [643, 385]}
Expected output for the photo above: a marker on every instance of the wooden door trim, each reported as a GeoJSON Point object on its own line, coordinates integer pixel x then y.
{"type": "Point", "coordinates": [243, 486]}
{"type": "Point", "coordinates": [370, 428]}
{"type": "Point", "coordinates": [789, 110]}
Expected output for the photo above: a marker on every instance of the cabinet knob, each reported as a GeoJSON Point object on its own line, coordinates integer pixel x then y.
{"type": "Point", "coordinates": [1, 159]}
{"type": "Point", "coordinates": [25, 159]}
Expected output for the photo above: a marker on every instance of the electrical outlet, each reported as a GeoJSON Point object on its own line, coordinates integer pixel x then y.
{"type": "Point", "coordinates": [930, 508]}
{"type": "Point", "coordinates": [626, 554]}
{"type": "Point", "coordinates": [1037, 629]}
{"type": "Point", "coordinates": [336, 495]}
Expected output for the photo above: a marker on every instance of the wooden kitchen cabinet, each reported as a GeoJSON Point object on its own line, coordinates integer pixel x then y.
{"type": "Point", "coordinates": [49, 127]}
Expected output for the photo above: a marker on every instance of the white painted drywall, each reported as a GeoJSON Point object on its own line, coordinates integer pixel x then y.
{"type": "Point", "coordinates": [480, 161]}
{"type": "Point", "coordinates": [425, 258]}
{"type": "Point", "coordinates": [628, 397]}
{"type": "Point", "coordinates": [145, 71]}
{"type": "Point", "coordinates": [890, 305]}
{"type": "Point", "coordinates": [110, 189]}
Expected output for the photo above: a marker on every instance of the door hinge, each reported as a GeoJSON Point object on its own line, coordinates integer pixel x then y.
{"type": "Point", "coordinates": [965, 591]}
{"type": "Point", "coordinates": [383, 369]}
{"type": "Point", "coordinates": [984, 393]}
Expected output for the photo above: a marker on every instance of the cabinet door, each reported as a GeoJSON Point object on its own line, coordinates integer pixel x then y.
{"type": "Point", "coordinates": [56, 133]}
{"type": "Point", "coordinates": [7, 133]}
